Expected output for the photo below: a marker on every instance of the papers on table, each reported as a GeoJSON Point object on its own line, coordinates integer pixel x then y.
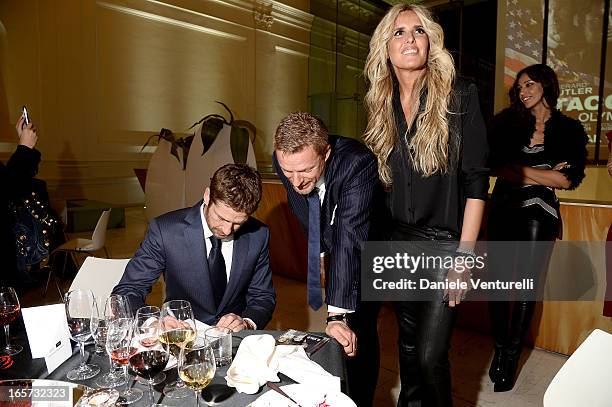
{"type": "Point", "coordinates": [201, 326]}
{"type": "Point", "coordinates": [48, 334]}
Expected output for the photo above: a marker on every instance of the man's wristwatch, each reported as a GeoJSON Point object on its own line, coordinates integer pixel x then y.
{"type": "Point", "coordinates": [339, 317]}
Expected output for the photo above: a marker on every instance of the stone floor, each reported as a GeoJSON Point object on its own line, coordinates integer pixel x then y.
{"type": "Point", "coordinates": [470, 352]}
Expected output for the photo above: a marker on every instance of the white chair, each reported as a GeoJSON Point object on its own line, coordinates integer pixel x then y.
{"type": "Point", "coordinates": [100, 276]}
{"type": "Point", "coordinates": [97, 242]}
{"type": "Point", "coordinates": [586, 377]}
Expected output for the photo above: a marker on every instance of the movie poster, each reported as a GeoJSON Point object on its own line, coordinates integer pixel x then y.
{"type": "Point", "coordinates": [573, 51]}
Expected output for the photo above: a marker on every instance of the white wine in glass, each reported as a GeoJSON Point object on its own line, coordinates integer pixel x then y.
{"type": "Point", "coordinates": [197, 367]}
{"type": "Point", "coordinates": [178, 339]}
{"type": "Point", "coordinates": [178, 332]}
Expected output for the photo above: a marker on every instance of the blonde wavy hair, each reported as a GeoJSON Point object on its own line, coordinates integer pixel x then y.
{"type": "Point", "coordinates": [429, 148]}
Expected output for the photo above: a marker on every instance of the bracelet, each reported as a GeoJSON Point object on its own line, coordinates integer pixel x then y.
{"type": "Point", "coordinates": [339, 318]}
{"type": "Point", "coordinates": [466, 252]}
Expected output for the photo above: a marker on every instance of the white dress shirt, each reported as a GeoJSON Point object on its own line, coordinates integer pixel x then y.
{"type": "Point", "coordinates": [227, 250]}
{"type": "Point", "coordinates": [227, 245]}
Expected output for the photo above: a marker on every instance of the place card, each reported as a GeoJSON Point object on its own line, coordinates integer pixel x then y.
{"type": "Point", "coordinates": [58, 355]}
{"type": "Point", "coordinates": [46, 326]}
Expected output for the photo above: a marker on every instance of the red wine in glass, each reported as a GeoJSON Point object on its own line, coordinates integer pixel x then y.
{"type": "Point", "coordinates": [9, 310]}
{"type": "Point", "coordinates": [8, 314]}
{"type": "Point", "coordinates": [149, 363]}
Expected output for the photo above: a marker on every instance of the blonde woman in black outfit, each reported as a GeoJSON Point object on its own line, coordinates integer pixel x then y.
{"type": "Point", "coordinates": [427, 132]}
{"type": "Point", "coordinates": [535, 150]}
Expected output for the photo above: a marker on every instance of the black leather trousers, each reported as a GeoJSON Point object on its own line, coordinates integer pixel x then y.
{"type": "Point", "coordinates": [425, 330]}
{"type": "Point", "coordinates": [510, 320]}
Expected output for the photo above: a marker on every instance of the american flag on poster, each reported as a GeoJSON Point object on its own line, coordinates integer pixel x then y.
{"type": "Point", "coordinates": [523, 45]}
{"type": "Point", "coordinates": [524, 32]}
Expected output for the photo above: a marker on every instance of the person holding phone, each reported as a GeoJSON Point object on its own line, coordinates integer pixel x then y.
{"type": "Point", "coordinates": [14, 177]}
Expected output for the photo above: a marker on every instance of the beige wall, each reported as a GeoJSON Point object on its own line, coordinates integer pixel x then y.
{"type": "Point", "coordinates": [99, 77]}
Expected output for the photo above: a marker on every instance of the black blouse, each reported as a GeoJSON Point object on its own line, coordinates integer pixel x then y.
{"type": "Point", "coordinates": [438, 201]}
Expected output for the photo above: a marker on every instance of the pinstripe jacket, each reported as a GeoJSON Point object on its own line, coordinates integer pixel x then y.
{"type": "Point", "coordinates": [350, 179]}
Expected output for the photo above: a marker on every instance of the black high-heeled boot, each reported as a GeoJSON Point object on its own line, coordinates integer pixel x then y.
{"type": "Point", "coordinates": [499, 312]}
{"type": "Point", "coordinates": [495, 371]}
{"type": "Point", "coordinates": [522, 313]}
{"type": "Point", "coordinates": [508, 370]}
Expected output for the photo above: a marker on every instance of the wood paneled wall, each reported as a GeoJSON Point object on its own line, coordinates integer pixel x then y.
{"type": "Point", "coordinates": [100, 76]}
{"type": "Point", "coordinates": [288, 244]}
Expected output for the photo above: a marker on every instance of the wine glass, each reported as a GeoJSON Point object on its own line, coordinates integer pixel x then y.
{"type": "Point", "coordinates": [9, 310]}
{"type": "Point", "coordinates": [119, 335]}
{"type": "Point", "coordinates": [197, 367]}
{"type": "Point", "coordinates": [81, 308]}
{"type": "Point", "coordinates": [115, 306]}
{"type": "Point", "coordinates": [147, 334]}
{"type": "Point", "coordinates": [152, 354]}
{"type": "Point", "coordinates": [178, 331]}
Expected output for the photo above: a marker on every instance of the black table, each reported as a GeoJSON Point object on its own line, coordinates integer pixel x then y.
{"type": "Point", "coordinates": [330, 357]}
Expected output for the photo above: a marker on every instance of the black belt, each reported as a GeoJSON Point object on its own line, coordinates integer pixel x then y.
{"type": "Point", "coordinates": [405, 231]}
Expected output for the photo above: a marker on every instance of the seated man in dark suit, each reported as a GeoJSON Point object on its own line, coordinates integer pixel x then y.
{"type": "Point", "coordinates": [213, 255]}
{"type": "Point", "coordinates": [330, 183]}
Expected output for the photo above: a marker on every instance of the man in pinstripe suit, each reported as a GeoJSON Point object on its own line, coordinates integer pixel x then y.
{"type": "Point", "coordinates": [343, 174]}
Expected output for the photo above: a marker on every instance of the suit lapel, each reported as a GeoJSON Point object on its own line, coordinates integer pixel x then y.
{"type": "Point", "coordinates": [239, 253]}
{"type": "Point", "coordinates": [331, 199]}
{"type": "Point", "coordinates": [194, 240]}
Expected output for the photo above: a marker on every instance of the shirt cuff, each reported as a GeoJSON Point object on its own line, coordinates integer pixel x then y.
{"type": "Point", "coordinates": [250, 322]}
{"type": "Point", "coordinates": [331, 308]}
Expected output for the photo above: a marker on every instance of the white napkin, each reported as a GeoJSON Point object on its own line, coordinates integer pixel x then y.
{"type": "Point", "coordinates": [253, 365]}
{"type": "Point", "coordinates": [294, 363]}
{"type": "Point", "coordinates": [258, 361]}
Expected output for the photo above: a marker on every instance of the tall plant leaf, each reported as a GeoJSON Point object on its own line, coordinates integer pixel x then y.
{"type": "Point", "coordinates": [210, 131]}
{"type": "Point", "coordinates": [239, 143]}
{"type": "Point", "coordinates": [169, 137]}
{"type": "Point", "coordinates": [218, 116]}
{"type": "Point", "coordinates": [185, 144]}
{"type": "Point", "coordinates": [228, 110]}
{"type": "Point", "coordinates": [248, 125]}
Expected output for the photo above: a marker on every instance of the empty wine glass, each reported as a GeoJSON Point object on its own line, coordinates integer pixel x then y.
{"type": "Point", "coordinates": [197, 367]}
{"type": "Point", "coordinates": [178, 331]}
{"type": "Point", "coordinates": [9, 310]}
{"type": "Point", "coordinates": [119, 335]}
{"type": "Point", "coordinates": [115, 306]}
{"type": "Point", "coordinates": [152, 354]}
{"type": "Point", "coordinates": [147, 334]}
{"type": "Point", "coordinates": [80, 308]}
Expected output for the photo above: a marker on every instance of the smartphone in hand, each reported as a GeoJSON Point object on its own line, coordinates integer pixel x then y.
{"type": "Point", "coordinates": [26, 116]}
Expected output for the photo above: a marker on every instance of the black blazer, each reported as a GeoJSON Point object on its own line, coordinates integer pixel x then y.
{"type": "Point", "coordinates": [350, 179]}
{"type": "Point", "coordinates": [174, 245]}
{"type": "Point", "coordinates": [564, 141]}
